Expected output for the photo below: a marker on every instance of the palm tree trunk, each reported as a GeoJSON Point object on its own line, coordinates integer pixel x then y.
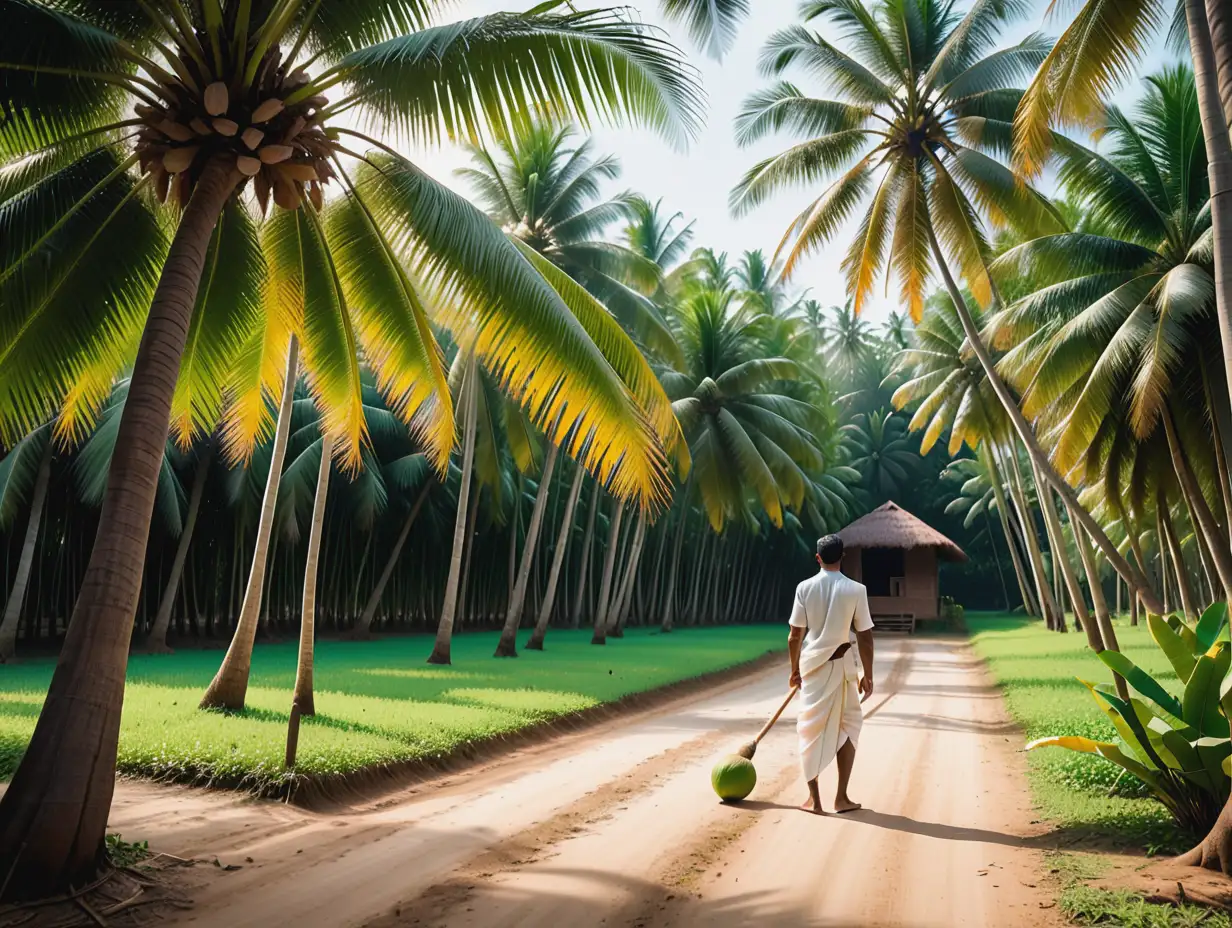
{"type": "Point", "coordinates": [1173, 543]}
{"type": "Point", "coordinates": [508, 644]}
{"type": "Point", "coordinates": [673, 572]}
{"type": "Point", "coordinates": [229, 687]}
{"type": "Point", "coordinates": [1210, 41]}
{"type": "Point", "coordinates": [17, 594]}
{"type": "Point", "coordinates": [156, 642]}
{"type": "Point", "coordinates": [1098, 602]}
{"type": "Point", "coordinates": [363, 628]}
{"type": "Point", "coordinates": [302, 697]}
{"type": "Point", "coordinates": [444, 631]}
{"type": "Point", "coordinates": [1052, 616]}
{"type": "Point", "coordinates": [1206, 519]}
{"type": "Point", "coordinates": [558, 559]}
{"type": "Point", "coordinates": [697, 576]}
{"type": "Point", "coordinates": [588, 543]}
{"type": "Point", "coordinates": [1221, 428]}
{"type": "Point", "coordinates": [609, 564]}
{"type": "Point", "coordinates": [53, 817]}
{"type": "Point", "coordinates": [616, 627]}
{"type": "Point", "coordinates": [998, 490]}
{"type": "Point", "coordinates": [1027, 434]}
{"type": "Point", "coordinates": [1060, 560]}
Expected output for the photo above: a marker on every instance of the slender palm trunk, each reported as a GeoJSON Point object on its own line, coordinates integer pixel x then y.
{"type": "Point", "coordinates": [363, 628]}
{"type": "Point", "coordinates": [1052, 616]}
{"type": "Point", "coordinates": [609, 565]}
{"type": "Point", "coordinates": [616, 623]}
{"type": "Point", "coordinates": [1206, 519]}
{"type": "Point", "coordinates": [1221, 427]}
{"type": "Point", "coordinates": [229, 687]}
{"type": "Point", "coordinates": [1173, 543]}
{"type": "Point", "coordinates": [302, 697]}
{"type": "Point", "coordinates": [1210, 41]}
{"type": "Point", "coordinates": [1099, 602]}
{"type": "Point", "coordinates": [444, 631]}
{"type": "Point", "coordinates": [508, 644]}
{"type": "Point", "coordinates": [53, 817]}
{"type": "Point", "coordinates": [1060, 561]}
{"type": "Point", "coordinates": [698, 572]}
{"type": "Point", "coordinates": [468, 557]}
{"type": "Point", "coordinates": [998, 489]}
{"type": "Point", "coordinates": [21, 581]}
{"type": "Point", "coordinates": [673, 572]}
{"type": "Point", "coordinates": [156, 642]}
{"type": "Point", "coordinates": [1027, 434]}
{"type": "Point", "coordinates": [558, 559]}
{"type": "Point", "coordinates": [588, 543]}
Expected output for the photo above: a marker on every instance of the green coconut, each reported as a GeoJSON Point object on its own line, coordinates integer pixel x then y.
{"type": "Point", "coordinates": [733, 778]}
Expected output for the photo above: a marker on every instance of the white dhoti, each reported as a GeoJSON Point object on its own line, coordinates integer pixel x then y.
{"type": "Point", "coordinates": [830, 713]}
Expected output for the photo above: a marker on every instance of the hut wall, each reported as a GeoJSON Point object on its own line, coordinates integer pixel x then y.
{"type": "Point", "coordinates": [920, 584]}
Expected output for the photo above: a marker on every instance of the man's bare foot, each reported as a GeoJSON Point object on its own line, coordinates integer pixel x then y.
{"type": "Point", "coordinates": [814, 807]}
{"type": "Point", "coordinates": [846, 805]}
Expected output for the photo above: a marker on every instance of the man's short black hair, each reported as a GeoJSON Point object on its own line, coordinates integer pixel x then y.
{"type": "Point", "coordinates": [830, 549]}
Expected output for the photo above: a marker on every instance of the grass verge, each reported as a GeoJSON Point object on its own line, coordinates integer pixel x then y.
{"type": "Point", "coordinates": [1084, 797]}
{"type": "Point", "coordinates": [378, 703]}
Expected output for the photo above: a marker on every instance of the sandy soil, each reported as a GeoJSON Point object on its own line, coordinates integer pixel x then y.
{"type": "Point", "coordinates": [617, 825]}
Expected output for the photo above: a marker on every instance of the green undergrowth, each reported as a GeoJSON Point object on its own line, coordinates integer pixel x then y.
{"type": "Point", "coordinates": [1039, 672]}
{"type": "Point", "coordinates": [377, 702]}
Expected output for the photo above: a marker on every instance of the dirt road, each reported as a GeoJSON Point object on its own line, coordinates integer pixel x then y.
{"type": "Point", "coordinates": [617, 825]}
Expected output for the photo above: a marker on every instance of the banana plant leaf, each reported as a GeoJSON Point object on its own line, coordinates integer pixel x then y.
{"type": "Point", "coordinates": [1211, 625]}
{"type": "Point", "coordinates": [1143, 682]}
{"type": "Point", "coordinates": [1201, 699]}
{"type": "Point", "coordinates": [1179, 654]}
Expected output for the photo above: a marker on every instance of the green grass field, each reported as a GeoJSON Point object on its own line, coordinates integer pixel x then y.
{"type": "Point", "coordinates": [377, 702]}
{"type": "Point", "coordinates": [1039, 672]}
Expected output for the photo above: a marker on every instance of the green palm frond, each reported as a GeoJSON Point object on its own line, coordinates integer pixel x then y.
{"type": "Point", "coordinates": [451, 81]}
{"type": "Point", "coordinates": [227, 313]}
{"type": "Point", "coordinates": [782, 107]}
{"type": "Point", "coordinates": [490, 291]}
{"type": "Point", "coordinates": [711, 23]}
{"type": "Point", "coordinates": [391, 320]}
{"type": "Point", "coordinates": [18, 471]}
{"type": "Point", "coordinates": [80, 254]}
{"type": "Point", "coordinates": [304, 287]}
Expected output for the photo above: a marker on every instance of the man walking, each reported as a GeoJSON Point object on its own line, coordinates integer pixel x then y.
{"type": "Point", "coordinates": [830, 614]}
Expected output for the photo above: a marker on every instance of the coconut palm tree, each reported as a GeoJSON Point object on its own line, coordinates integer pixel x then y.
{"type": "Point", "coordinates": [881, 451]}
{"type": "Point", "coordinates": [655, 236]}
{"type": "Point", "coordinates": [190, 101]}
{"type": "Point", "coordinates": [1121, 316]}
{"type": "Point", "coordinates": [923, 99]}
{"type": "Point", "coordinates": [1100, 48]}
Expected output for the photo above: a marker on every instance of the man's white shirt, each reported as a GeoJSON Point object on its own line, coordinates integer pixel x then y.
{"type": "Point", "coordinates": [830, 606]}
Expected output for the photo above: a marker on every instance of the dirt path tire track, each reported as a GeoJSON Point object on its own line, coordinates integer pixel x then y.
{"type": "Point", "coordinates": [617, 825]}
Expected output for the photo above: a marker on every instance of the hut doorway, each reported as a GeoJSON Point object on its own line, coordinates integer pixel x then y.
{"type": "Point", "coordinates": [883, 570]}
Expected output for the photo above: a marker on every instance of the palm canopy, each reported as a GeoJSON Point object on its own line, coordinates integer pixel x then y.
{"type": "Point", "coordinates": [106, 110]}
{"type": "Point", "coordinates": [1118, 315]}
{"type": "Point", "coordinates": [546, 192]}
{"type": "Point", "coordinates": [751, 441]}
{"type": "Point", "coordinates": [919, 104]}
{"type": "Point", "coordinates": [881, 452]}
{"type": "Point", "coordinates": [652, 234]}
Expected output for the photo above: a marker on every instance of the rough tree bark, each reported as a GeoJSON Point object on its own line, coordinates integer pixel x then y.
{"type": "Point", "coordinates": [508, 644]}
{"type": "Point", "coordinates": [156, 641]}
{"type": "Point", "coordinates": [21, 580]}
{"type": "Point", "coordinates": [229, 688]}
{"type": "Point", "coordinates": [53, 817]}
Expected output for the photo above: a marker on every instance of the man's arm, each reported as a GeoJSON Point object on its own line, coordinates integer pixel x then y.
{"type": "Point", "coordinates": [864, 641]}
{"type": "Point", "coordinates": [794, 641]}
{"type": "Point", "coordinates": [863, 625]}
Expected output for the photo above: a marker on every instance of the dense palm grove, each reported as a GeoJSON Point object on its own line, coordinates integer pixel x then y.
{"type": "Point", "coordinates": [261, 376]}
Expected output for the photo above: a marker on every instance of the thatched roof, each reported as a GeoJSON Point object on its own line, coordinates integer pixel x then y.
{"type": "Point", "coordinates": [890, 526]}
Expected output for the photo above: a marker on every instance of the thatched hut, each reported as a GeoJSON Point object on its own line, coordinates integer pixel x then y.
{"type": "Point", "coordinates": [895, 556]}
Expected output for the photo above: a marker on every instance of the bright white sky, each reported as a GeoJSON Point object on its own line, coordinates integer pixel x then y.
{"type": "Point", "coordinates": [697, 182]}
